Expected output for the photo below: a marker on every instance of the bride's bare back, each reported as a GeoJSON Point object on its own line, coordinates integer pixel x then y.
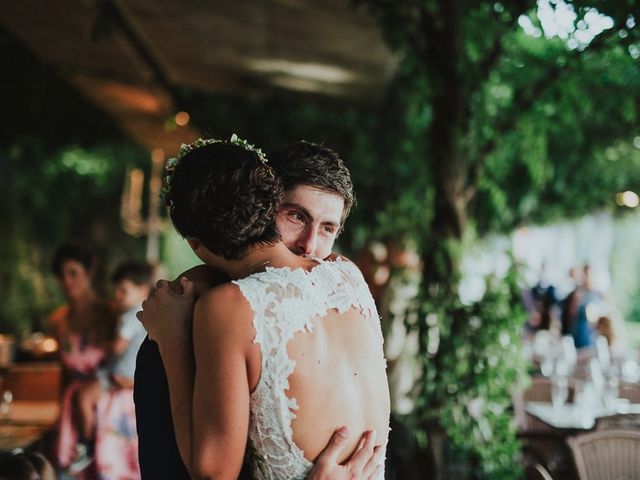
{"type": "Point", "coordinates": [339, 379]}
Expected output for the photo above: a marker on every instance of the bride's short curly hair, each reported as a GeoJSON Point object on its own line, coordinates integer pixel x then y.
{"type": "Point", "coordinates": [226, 197]}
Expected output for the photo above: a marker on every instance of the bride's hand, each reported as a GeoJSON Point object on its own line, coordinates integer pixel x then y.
{"type": "Point", "coordinates": [168, 311]}
{"type": "Point", "coordinates": [364, 464]}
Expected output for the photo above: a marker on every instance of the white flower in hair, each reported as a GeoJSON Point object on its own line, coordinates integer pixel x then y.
{"type": "Point", "coordinates": [186, 148]}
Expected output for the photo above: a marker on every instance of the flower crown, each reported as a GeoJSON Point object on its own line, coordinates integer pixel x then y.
{"type": "Point", "coordinates": [186, 148]}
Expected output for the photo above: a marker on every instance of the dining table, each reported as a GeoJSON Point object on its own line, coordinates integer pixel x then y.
{"type": "Point", "coordinates": [26, 423]}
{"type": "Point", "coordinates": [575, 416]}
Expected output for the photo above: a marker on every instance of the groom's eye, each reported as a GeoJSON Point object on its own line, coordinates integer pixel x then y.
{"type": "Point", "coordinates": [297, 216]}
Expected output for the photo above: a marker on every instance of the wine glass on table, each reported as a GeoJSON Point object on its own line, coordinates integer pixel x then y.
{"type": "Point", "coordinates": [569, 352]}
{"type": "Point", "coordinates": [559, 391]}
{"type": "Point", "coordinates": [5, 405]}
{"type": "Point", "coordinates": [5, 412]}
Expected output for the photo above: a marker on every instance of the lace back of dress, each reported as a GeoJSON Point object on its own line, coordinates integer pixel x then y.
{"type": "Point", "coordinates": [285, 302]}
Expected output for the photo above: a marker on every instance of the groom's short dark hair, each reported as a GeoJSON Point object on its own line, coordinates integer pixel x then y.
{"type": "Point", "coordinates": [306, 163]}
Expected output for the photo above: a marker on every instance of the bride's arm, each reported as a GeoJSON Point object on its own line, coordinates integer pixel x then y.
{"type": "Point", "coordinates": [222, 339]}
{"type": "Point", "coordinates": [207, 378]}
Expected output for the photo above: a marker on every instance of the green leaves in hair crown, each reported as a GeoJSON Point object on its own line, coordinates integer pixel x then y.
{"type": "Point", "coordinates": [186, 148]}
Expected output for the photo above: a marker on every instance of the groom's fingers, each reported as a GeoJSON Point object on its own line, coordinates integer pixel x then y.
{"type": "Point", "coordinates": [359, 459]}
{"type": "Point", "coordinates": [166, 289]}
{"type": "Point", "coordinates": [162, 286]}
{"type": "Point", "coordinates": [176, 286]}
{"type": "Point", "coordinates": [376, 474]}
{"type": "Point", "coordinates": [373, 465]}
{"type": "Point", "coordinates": [336, 444]}
{"type": "Point", "coordinates": [188, 287]}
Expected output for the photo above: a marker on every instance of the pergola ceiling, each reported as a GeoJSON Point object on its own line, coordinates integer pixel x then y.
{"type": "Point", "coordinates": [129, 56]}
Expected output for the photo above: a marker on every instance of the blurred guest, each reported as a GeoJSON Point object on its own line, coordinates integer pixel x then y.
{"type": "Point", "coordinates": [541, 304]}
{"type": "Point", "coordinates": [25, 466]}
{"type": "Point", "coordinates": [591, 301]}
{"type": "Point", "coordinates": [542, 301]}
{"type": "Point", "coordinates": [85, 328]}
{"type": "Point", "coordinates": [589, 293]}
{"type": "Point", "coordinates": [577, 308]}
{"type": "Point", "coordinates": [604, 327]}
{"type": "Point", "coordinates": [106, 404]}
{"type": "Point", "coordinates": [567, 285]}
{"type": "Point", "coordinates": [569, 313]}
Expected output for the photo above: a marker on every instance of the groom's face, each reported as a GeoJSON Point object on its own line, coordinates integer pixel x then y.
{"type": "Point", "coordinates": [309, 220]}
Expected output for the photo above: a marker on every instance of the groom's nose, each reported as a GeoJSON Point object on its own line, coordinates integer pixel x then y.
{"type": "Point", "coordinates": [307, 242]}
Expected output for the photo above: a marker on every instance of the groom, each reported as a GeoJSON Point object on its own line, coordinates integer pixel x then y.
{"type": "Point", "coordinates": [317, 200]}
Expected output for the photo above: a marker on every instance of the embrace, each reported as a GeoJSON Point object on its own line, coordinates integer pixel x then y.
{"type": "Point", "coordinates": [273, 348]}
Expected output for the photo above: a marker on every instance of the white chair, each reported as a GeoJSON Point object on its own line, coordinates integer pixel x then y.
{"type": "Point", "coordinates": [607, 455]}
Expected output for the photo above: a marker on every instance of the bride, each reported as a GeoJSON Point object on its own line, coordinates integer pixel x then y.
{"type": "Point", "coordinates": [287, 352]}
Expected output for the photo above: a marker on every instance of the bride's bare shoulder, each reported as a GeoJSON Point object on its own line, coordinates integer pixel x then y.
{"type": "Point", "coordinates": [223, 308]}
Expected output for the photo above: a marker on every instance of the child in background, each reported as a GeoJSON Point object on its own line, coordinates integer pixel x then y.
{"type": "Point", "coordinates": [132, 285]}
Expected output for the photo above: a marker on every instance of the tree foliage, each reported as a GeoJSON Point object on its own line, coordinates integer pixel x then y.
{"type": "Point", "coordinates": [522, 127]}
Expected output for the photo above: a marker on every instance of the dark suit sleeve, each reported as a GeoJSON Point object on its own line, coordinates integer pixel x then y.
{"type": "Point", "coordinates": [158, 452]}
{"type": "Point", "coordinates": [157, 448]}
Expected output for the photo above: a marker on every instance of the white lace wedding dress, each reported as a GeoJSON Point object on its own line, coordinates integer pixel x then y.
{"type": "Point", "coordinates": [285, 302]}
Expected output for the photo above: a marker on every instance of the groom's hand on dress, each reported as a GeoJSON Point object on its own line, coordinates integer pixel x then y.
{"type": "Point", "coordinates": [364, 464]}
